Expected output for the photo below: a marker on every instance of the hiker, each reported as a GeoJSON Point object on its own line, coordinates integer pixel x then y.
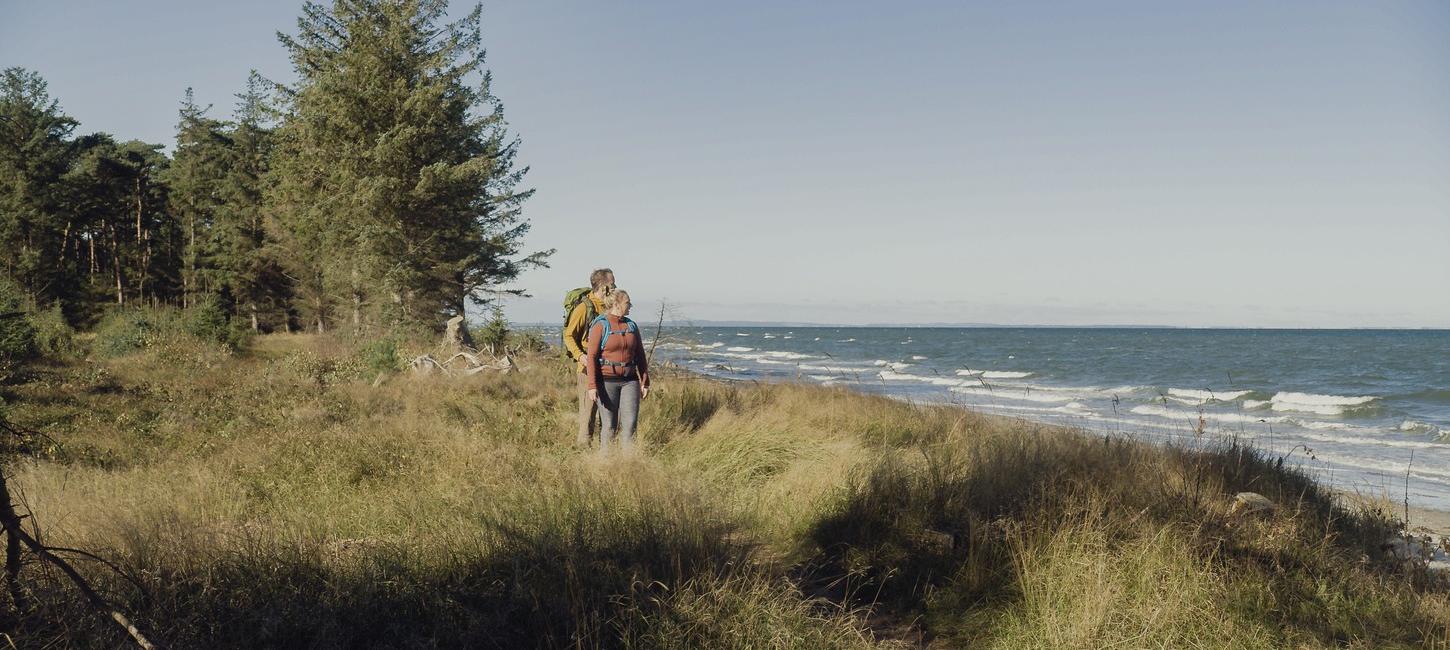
{"type": "Point", "coordinates": [618, 372]}
{"type": "Point", "coordinates": [582, 306]}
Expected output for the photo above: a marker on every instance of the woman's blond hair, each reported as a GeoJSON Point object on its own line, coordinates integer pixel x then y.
{"type": "Point", "coordinates": [614, 297]}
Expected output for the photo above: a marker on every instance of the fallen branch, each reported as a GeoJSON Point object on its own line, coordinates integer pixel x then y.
{"type": "Point", "coordinates": [15, 537]}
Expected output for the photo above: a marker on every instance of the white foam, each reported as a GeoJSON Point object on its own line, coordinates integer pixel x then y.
{"type": "Point", "coordinates": [768, 336]}
{"type": "Point", "coordinates": [847, 341]}
{"type": "Point", "coordinates": [1251, 404]}
{"type": "Point", "coordinates": [917, 357]}
{"type": "Point", "coordinates": [739, 349]}
{"type": "Point", "coordinates": [788, 337]}
{"type": "Point", "coordinates": [839, 369]}
{"type": "Point", "coordinates": [889, 375]}
{"type": "Point", "coordinates": [741, 334]}
{"type": "Point", "coordinates": [1193, 416]}
{"type": "Point", "coordinates": [1325, 400]}
{"type": "Point", "coordinates": [1415, 426]}
{"type": "Point", "coordinates": [1317, 404]}
{"type": "Point", "coordinates": [780, 354]}
{"type": "Point", "coordinates": [994, 374]}
{"type": "Point", "coordinates": [1206, 395]}
{"type": "Point", "coordinates": [1017, 395]}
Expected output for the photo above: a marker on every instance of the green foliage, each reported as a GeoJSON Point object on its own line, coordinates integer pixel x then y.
{"type": "Point", "coordinates": [382, 355]}
{"type": "Point", "coordinates": [54, 337]}
{"type": "Point", "coordinates": [433, 210]}
{"type": "Point", "coordinates": [495, 333]}
{"type": "Point", "coordinates": [207, 320]}
{"type": "Point", "coordinates": [17, 335]}
{"type": "Point", "coordinates": [35, 153]}
{"type": "Point", "coordinates": [127, 330]}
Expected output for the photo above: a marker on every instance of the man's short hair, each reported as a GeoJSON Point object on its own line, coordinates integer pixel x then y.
{"type": "Point", "coordinates": [599, 277]}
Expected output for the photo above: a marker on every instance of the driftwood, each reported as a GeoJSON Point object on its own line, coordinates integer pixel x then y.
{"type": "Point", "coordinates": [472, 365]}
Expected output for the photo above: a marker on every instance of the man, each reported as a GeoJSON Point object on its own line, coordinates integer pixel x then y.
{"type": "Point", "coordinates": [576, 333]}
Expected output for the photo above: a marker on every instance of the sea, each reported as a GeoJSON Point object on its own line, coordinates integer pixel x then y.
{"type": "Point", "coordinates": [1366, 411]}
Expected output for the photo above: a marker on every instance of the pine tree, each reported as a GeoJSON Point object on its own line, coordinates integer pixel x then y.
{"type": "Point", "coordinates": [195, 178]}
{"type": "Point", "coordinates": [35, 153]}
{"type": "Point", "coordinates": [255, 278]}
{"type": "Point", "coordinates": [395, 185]}
{"type": "Point", "coordinates": [118, 201]}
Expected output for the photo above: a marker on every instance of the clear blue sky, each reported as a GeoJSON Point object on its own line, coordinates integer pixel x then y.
{"type": "Point", "coordinates": [1215, 163]}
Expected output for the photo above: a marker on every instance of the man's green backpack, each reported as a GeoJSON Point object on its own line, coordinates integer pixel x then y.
{"type": "Point", "coordinates": [572, 300]}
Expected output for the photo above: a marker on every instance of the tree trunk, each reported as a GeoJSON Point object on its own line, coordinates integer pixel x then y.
{"type": "Point", "coordinates": [116, 264]}
{"type": "Point", "coordinates": [140, 252]}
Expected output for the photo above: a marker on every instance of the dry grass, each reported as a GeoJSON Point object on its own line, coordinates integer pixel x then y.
{"type": "Point", "coordinates": [275, 497]}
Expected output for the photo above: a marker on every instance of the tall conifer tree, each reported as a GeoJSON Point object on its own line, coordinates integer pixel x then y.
{"type": "Point", "coordinates": [394, 181]}
{"type": "Point", "coordinates": [35, 154]}
{"type": "Point", "coordinates": [196, 176]}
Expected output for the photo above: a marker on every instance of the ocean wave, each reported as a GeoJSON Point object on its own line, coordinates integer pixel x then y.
{"type": "Point", "coordinates": [894, 365]}
{"type": "Point", "coordinates": [741, 334]}
{"type": "Point", "coordinates": [781, 354]}
{"type": "Point", "coordinates": [768, 336]}
{"type": "Point", "coordinates": [1416, 426]}
{"type": "Point", "coordinates": [1317, 404]}
{"type": "Point", "coordinates": [1391, 469]}
{"type": "Point", "coordinates": [994, 374]}
{"type": "Point", "coordinates": [1074, 409]}
{"type": "Point", "coordinates": [711, 346]}
{"type": "Point", "coordinates": [1369, 441]}
{"type": "Point", "coordinates": [837, 369]}
{"type": "Point", "coordinates": [1013, 394]}
{"type": "Point", "coordinates": [739, 349]}
{"type": "Point", "coordinates": [1207, 395]}
{"type": "Point", "coordinates": [1252, 404]}
{"type": "Point", "coordinates": [889, 375]}
{"type": "Point", "coordinates": [847, 341]}
{"type": "Point", "coordinates": [1193, 416]}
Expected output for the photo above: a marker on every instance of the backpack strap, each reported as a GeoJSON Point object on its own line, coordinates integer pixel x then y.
{"type": "Point", "coordinates": [629, 328]}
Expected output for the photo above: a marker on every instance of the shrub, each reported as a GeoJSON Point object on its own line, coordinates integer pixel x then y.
{"type": "Point", "coordinates": [382, 355]}
{"type": "Point", "coordinates": [17, 335]}
{"type": "Point", "coordinates": [126, 330]}
{"type": "Point", "coordinates": [493, 333]}
{"type": "Point", "coordinates": [53, 335]}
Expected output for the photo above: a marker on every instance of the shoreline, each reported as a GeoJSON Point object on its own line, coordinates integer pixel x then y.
{"type": "Point", "coordinates": [1422, 520]}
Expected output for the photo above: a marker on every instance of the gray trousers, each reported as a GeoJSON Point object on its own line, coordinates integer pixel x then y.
{"type": "Point", "coordinates": [618, 413]}
{"type": "Point", "coordinates": [586, 412]}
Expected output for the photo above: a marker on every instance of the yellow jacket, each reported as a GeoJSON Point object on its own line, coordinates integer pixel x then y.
{"type": "Point", "coordinates": [576, 330]}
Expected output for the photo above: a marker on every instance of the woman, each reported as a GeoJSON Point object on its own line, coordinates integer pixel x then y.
{"type": "Point", "coordinates": [618, 371]}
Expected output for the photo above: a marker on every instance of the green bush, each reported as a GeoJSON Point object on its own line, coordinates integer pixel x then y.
{"type": "Point", "coordinates": [131, 329]}
{"type": "Point", "coordinates": [17, 334]}
{"type": "Point", "coordinates": [54, 337]}
{"type": "Point", "coordinates": [207, 320]}
{"type": "Point", "coordinates": [494, 333]}
{"type": "Point", "coordinates": [382, 355]}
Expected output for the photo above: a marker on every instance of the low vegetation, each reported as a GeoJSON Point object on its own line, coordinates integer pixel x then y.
{"type": "Point", "coordinates": [273, 492]}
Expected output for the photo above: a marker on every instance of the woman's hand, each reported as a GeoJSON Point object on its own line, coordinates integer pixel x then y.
{"type": "Point", "coordinates": [594, 394]}
{"type": "Point", "coordinates": [644, 392]}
